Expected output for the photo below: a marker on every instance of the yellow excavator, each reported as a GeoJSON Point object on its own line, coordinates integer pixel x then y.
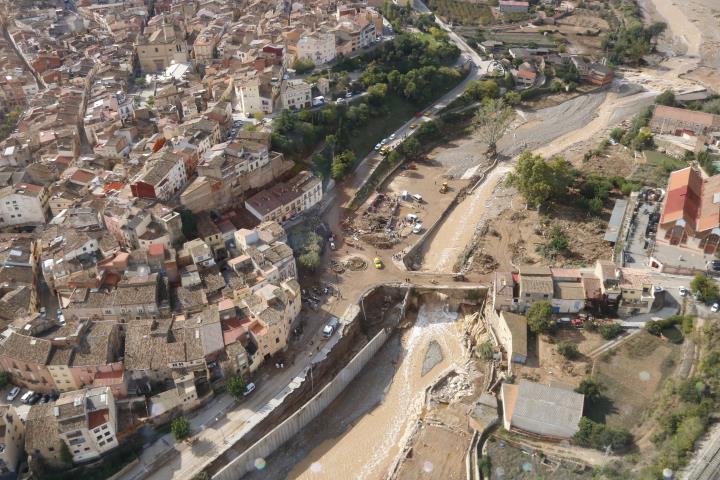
{"type": "Point", "coordinates": [444, 187]}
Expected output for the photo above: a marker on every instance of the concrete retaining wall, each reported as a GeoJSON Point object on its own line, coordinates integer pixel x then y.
{"type": "Point", "coordinates": [292, 425]}
{"type": "Point", "coordinates": [408, 259]}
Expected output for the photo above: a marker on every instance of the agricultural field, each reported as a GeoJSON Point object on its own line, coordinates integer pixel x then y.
{"type": "Point", "coordinates": [462, 12]}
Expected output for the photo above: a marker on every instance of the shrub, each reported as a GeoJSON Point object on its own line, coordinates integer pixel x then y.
{"type": "Point", "coordinates": [180, 428]}
{"type": "Point", "coordinates": [610, 330]}
{"type": "Point", "coordinates": [706, 287]}
{"type": "Point", "coordinates": [617, 133]}
{"type": "Point", "coordinates": [666, 98]}
{"type": "Point", "coordinates": [568, 350]}
{"type": "Point", "coordinates": [485, 350]}
{"type": "Point", "coordinates": [600, 436]}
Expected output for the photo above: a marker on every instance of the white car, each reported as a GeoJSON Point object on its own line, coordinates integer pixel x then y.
{"type": "Point", "coordinates": [378, 146]}
{"type": "Point", "coordinates": [715, 307]}
{"type": "Point", "coordinates": [249, 389]}
{"type": "Point", "coordinates": [392, 137]}
{"type": "Point", "coordinates": [683, 291]}
{"type": "Point", "coordinates": [27, 396]}
{"type": "Point", "coordinates": [13, 393]}
{"type": "Point", "coordinates": [659, 289]}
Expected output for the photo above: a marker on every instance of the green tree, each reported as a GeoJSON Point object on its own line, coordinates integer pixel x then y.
{"type": "Point", "coordinates": [236, 386]}
{"type": "Point", "coordinates": [377, 93]}
{"type": "Point", "coordinates": [180, 428]}
{"type": "Point", "coordinates": [4, 379]}
{"type": "Point", "coordinates": [712, 106]}
{"type": "Point", "coordinates": [309, 261]}
{"type": "Point", "coordinates": [666, 98]}
{"type": "Point", "coordinates": [303, 66]}
{"type": "Point", "coordinates": [591, 388]}
{"type": "Point", "coordinates": [706, 287]}
{"type": "Point", "coordinates": [491, 121]}
{"type": "Point", "coordinates": [539, 180]}
{"type": "Point", "coordinates": [512, 97]}
{"type": "Point", "coordinates": [643, 139]}
{"type": "Point", "coordinates": [539, 317]}
{"type": "Point", "coordinates": [568, 350]}
{"type": "Point", "coordinates": [151, 101]}
{"type": "Point", "coordinates": [189, 223]}
{"type": "Point", "coordinates": [201, 476]}
{"type": "Point", "coordinates": [342, 163]}
{"type": "Point", "coordinates": [600, 436]}
{"type": "Point", "coordinates": [65, 455]}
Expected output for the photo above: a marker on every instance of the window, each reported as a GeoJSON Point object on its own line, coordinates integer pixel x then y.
{"type": "Point", "coordinates": [156, 50]}
{"type": "Point", "coordinates": [101, 443]}
{"type": "Point", "coordinates": [107, 434]}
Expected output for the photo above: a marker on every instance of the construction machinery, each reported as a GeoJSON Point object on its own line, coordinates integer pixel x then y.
{"type": "Point", "coordinates": [444, 187]}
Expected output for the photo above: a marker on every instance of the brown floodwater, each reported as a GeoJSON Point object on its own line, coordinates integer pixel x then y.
{"type": "Point", "coordinates": [368, 448]}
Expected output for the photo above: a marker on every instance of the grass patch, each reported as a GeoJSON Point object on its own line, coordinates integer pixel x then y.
{"type": "Point", "coordinates": [656, 169]}
{"type": "Point", "coordinates": [633, 377]}
{"type": "Point", "coordinates": [363, 140]}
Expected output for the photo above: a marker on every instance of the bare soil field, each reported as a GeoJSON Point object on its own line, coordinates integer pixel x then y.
{"type": "Point", "coordinates": [614, 161]}
{"type": "Point", "coordinates": [545, 365]}
{"type": "Point", "coordinates": [438, 452]}
{"type": "Point", "coordinates": [583, 31]}
{"type": "Point", "coordinates": [632, 375]}
{"type": "Point", "coordinates": [382, 220]}
{"type": "Point", "coordinates": [513, 236]}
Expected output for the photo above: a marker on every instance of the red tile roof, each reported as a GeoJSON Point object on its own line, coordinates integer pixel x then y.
{"type": "Point", "coordinates": [692, 199]}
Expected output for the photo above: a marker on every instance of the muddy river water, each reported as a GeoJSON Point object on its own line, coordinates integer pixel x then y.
{"type": "Point", "coordinates": [367, 448]}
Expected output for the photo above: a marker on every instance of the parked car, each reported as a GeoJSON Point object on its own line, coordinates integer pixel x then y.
{"type": "Point", "coordinates": [659, 289]}
{"type": "Point", "coordinates": [683, 291]}
{"type": "Point", "coordinates": [413, 126]}
{"type": "Point", "coordinates": [564, 321]}
{"type": "Point", "coordinates": [54, 396]}
{"type": "Point", "coordinates": [330, 328]}
{"type": "Point", "coordinates": [249, 388]}
{"type": "Point", "coordinates": [417, 228]}
{"type": "Point", "coordinates": [27, 396]}
{"type": "Point", "coordinates": [392, 137]}
{"type": "Point", "coordinates": [61, 319]}
{"type": "Point", "coordinates": [715, 307]}
{"type": "Point", "coordinates": [378, 146]}
{"type": "Point", "coordinates": [13, 393]}
{"type": "Point", "coordinates": [577, 322]}
{"type": "Point", "coordinates": [378, 263]}
{"type": "Point", "coordinates": [45, 399]}
{"type": "Point", "coordinates": [348, 95]}
{"type": "Point", "coordinates": [34, 399]}
{"type": "Point", "coordinates": [58, 312]}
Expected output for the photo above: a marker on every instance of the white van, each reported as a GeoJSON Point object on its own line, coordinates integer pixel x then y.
{"type": "Point", "coordinates": [417, 197]}
{"type": "Point", "coordinates": [330, 328]}
{"type": "Point", "coordinates": [411, 217]}
{"type": "Point", "coordinates": [27, 396]}
{"type": "Point", "coordinates": [417, 228]}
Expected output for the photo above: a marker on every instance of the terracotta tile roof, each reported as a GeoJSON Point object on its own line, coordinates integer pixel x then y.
{"type": "Point", "coordinates": [692, 199]}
